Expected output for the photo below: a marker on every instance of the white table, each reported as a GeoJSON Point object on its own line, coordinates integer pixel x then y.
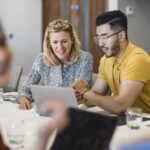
{"type": "Point", "coordinates": [33, 123]}
{"type": "Point", "coordinates": [121, 137]}
{"type": "Point", "coordinates": [124, 136]}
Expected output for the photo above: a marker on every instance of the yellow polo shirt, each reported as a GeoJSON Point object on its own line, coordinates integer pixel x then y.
{"type": "Point", "coordinates": [134, 65]}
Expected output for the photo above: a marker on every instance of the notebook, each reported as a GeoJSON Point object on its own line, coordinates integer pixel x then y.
{"type": "Point", "coordinates": [42, 94]}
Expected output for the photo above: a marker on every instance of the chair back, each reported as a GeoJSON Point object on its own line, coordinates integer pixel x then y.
{"type": "Point", "coordinates": [15, 76]}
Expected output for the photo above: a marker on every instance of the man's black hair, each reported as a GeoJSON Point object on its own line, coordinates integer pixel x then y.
{"type": "Point", "coordinates": [117, 20]}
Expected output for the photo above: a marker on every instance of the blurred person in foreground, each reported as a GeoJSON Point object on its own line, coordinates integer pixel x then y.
{"type": "Point", "coordinates": [5, 59]}
{"type": "Point", "coordinates": [124, 68]}
{"type": "Point", "coordinates": [77, 129]}
{"type": "Point", "coordinates": [61, 63]}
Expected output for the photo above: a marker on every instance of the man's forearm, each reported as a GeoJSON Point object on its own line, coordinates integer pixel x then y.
{"type": "Point", "coordinates": [108, 103]}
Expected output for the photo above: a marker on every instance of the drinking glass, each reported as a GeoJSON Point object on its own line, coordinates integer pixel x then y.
{"type": "Point", "coordinates": [15, 134]}
{"type": "Point", "coordinates": [1, 95]}
{"type": "Point", "coordinates": [134, 117]}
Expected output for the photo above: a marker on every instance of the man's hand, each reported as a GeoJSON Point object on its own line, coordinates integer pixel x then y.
{"type": "Point", "coordinates": [80, 86]}
{"type": "Point", "coordinates": [25, 103]}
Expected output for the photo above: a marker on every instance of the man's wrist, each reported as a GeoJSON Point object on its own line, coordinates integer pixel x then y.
{"type": "Point", "coordinates": [84, 92]}
{"type": "Point", "coordinates": [83, 96]}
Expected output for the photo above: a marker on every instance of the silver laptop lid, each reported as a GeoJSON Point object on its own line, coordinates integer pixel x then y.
{"type": "Point", "coordinates": [42, 94]}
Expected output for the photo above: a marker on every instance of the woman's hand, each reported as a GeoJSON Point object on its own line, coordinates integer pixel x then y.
{"type": "Point", "coordinates": [25, 103]}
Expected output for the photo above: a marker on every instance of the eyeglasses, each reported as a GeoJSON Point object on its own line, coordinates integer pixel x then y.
{"type": "Point", "coordinates": [97, 38]}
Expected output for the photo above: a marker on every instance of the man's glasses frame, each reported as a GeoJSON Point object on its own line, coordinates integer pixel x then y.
{"type": "Point", "coordinates": [97, 38]}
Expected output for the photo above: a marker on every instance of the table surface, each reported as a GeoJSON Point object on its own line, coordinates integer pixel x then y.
{"type": "Point", "coordinates": [121, 137]}
{"type": "Point", "coordinates": [124, 136]}
{"type": "Point", "coordinates": [33, 124]}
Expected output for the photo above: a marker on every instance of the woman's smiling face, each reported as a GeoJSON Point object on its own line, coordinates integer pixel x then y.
{"type": "Point", "coordinates": [61, 43]}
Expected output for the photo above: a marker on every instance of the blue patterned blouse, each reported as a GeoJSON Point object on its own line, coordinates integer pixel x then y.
{"type": "Point", "coordinates": [57, 76]}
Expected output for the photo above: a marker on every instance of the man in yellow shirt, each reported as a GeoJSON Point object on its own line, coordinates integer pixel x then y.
{"type": "Point", "coordinates": [124, 68]}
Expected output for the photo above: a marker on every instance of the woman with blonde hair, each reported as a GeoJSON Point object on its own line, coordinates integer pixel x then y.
{"type": "Point", "coordinates": [61, 63]}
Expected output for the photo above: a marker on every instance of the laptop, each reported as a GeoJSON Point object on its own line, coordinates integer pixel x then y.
{"type": "Point", "coordinates": [42, 94]}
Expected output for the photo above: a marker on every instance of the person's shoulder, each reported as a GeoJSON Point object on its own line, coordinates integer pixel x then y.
{"type": "Point", "coordinates": [85, 54]}
{"type": "Point", "coordinates": [139, 53]}
{"type": "Point", "coordinates": [137, 57]}
{"type": "Point", "coordinates": [136, 50]}
{"type": "Point", "coordinates": [40, 57]}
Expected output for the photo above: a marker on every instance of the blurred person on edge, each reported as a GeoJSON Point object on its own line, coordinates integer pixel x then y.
{"type": "Point", "coordinates": [5, 59]}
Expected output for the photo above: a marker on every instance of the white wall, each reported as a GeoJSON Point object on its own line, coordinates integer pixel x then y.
{"type": "Point", "coordinates": [112, 5]}
{"type": "Point", "coordinates": [139, 22]}
{"type": "Point", "coordinates": [23, 19]}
